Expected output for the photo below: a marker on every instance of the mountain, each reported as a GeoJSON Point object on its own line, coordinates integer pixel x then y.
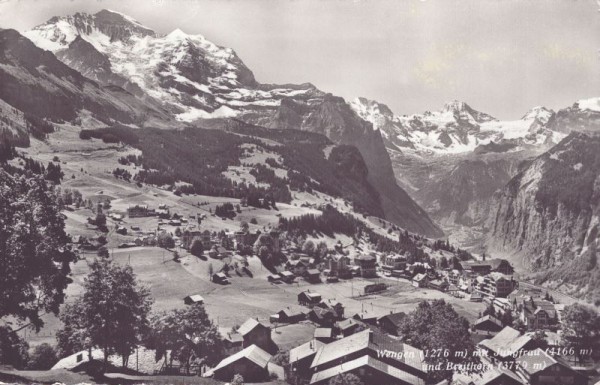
{"type": "Point", "coordinates": [453, 160]}
{"type": "Point", "coordinates": [549, 213]}
{"type": "Point", "coordinates": [35, 82]}
{"type": "Point", "coordinates": [457, 128]}
{"type": "Point", "coordinates": [196, 80]}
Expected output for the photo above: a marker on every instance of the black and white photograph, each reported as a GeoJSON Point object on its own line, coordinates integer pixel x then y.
{"type": "Point", "coordinates": [300, 192]}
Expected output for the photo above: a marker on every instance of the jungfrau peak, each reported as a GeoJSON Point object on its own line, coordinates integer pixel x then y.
{"type": "Point", "coordinates": [195, 79]}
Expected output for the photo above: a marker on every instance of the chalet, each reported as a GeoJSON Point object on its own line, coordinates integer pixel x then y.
{"type": "Point", "coordinates": [322, 317]}
{"type": "Point", "coordinates": [255, 333]}
{"type": "Point", "coordinates": [206, 240]}
{"type": "Point", "coordinates": [438, 284]}
{"type": "Point", "coordinates": [324, 335]}
{"type": "Point", "coordinates": [138, 211]}
{"type": "Point", "coordinates": [246, 238]}
{"type": "Point", "coordinates": [121, 230]}
{"type": "Point", "coordinates": [367, 264]}
{"type": "Point", "coordinates": [339, 266]}
{"type": "Point", "coordinates": [298, 267]}
{"type": "Point", "coordinates": [308, 298]}
{"type": "Point", "coordinates": [175, 222]}
{"type": "Point", "coordinates": [390, 323]}
{"type": "Point", "coordinates": [287, 276]}
{"type": "Point", "coordinates": [313, 275]}
{"type": "Point", "coordinates": [476, 297]}
{"type": "Point", "coordinates": [193, 299]}
{"type": "Point", "coordinates": [489, 324]}
{"type": "Point", "coordinates": [302, 356]}
{"type": "Point", "coordinates": [290, 316]}
{"type": "Point", "coordinates": [252, 363]}
{"type": "Point", "coordinates": [347, 327]}
{"type": "Point", "coordinates": [220, 278]}
{"type": "Point", "coordinates": [337, 307]}
{"type": "Point", "coordinates": [420, 280]}
{"type": "Point", "coordinates": [366, 317]}
{"type": "Point", "coordinates": [505, 345]}
{"type": "Point", "coordinates": [537, 313]}
{"type": "Point", "coordinates": [539, 368]}
{"type": "Point", "coordinates": [232, 340]}
{"type": "Point", "coordinates": [189, 236]}
{"type": "Point", "coordinates": [374, 357]}
{"type": "Point", "coordinates": [275, 278]}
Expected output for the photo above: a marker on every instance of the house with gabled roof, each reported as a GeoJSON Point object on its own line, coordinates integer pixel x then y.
{"type": "Point", "coordinates": [420, 280]}
{"type": "Point", "coordinates": [232, 340]}
{"type": "Point", "coordinates": [506, 344]}
{"type": "Point", "coordinates": [193, 299]}
{"type": "Point", "coordinates": [374, 357]}
{"type": "Point", "coordinates": [254, 332]}
{"type": "Point", "coordinates": [391, 322]}
{"type": "Point", "coordinates": [302, 356]}
{"type": "Point", "coordinates": [347, 327]}
{"type": "Point", "coordinates": [309, 298]}
{"type": "Point", "coordinates": [252, 363]}
{"type": "Point", "coordinates": [322, 317]}
{"type": "Point", "coordinates": [488, 323]}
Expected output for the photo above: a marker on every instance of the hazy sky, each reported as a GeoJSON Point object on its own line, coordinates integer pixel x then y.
{"type": "Point", "coordinates": [501, 56]}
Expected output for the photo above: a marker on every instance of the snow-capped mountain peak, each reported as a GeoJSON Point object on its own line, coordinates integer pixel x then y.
{"type": "Point", "coordinates": [542, 114]}
{"type": "Point", "coordinates": [456, 128]}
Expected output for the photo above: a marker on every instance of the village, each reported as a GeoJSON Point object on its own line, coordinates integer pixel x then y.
{"type": "Point", "coordinates": [325, 311]}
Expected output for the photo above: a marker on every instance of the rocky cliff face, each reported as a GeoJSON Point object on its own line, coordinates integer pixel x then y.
{"type": "Point", "coordinates": [550, 212]}
{"type": "Point", "coordinates": [36, 82]}
{"type": "Point", "coordinates": [195, 80]}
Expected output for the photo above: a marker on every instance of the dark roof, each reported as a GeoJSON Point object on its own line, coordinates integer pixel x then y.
{"type": "Point", "coordinates": [394, 318]}
{"type": "Point", "coordinates": [371, 362]}
{"type": "Point", "coordinates": [250, 325]}
{"type": "Point", "coordinates": [489, 318]}
{"type": "Point", "coordinates": [375, 341]}
{"type": "Point", "coordinates": [253, 353]}
{"type": "Point", "coordinates": [196, 298]}
{"type": "Point", "coordinates": [305, 350]}
{"type": "Point", "coordinates": [321, 313]}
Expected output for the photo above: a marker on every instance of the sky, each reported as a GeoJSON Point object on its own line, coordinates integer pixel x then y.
{"type": "Point", "coordinates": [502, 57]}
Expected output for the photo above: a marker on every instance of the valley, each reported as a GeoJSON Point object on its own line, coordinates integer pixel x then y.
{"type": "Point", "coordinates": [166, 216]}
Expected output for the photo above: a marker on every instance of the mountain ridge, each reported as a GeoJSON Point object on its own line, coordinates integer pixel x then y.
{"type": "Point", "coordinates": [196, 79]}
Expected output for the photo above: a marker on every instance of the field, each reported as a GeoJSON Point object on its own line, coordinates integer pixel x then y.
{"type": "Point", "coordinates": [246, 297]}
{"type": "Point", "coordinates": [88, 168]}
